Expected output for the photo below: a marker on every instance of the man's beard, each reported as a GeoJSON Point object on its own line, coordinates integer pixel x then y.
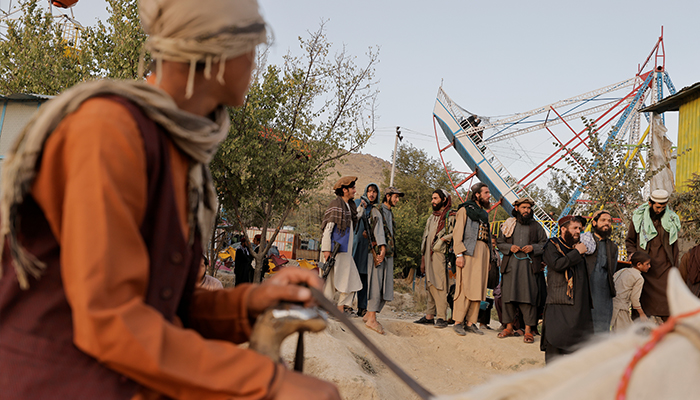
{"type": "Point", "coordinates": [656, 216]}
{"type": "Point", "coordinates": [523, 219]}
{"type": "Point", "coordinates": [603, 234]}
{"type": "Point", "coordinates": [438, 206]}
{"type": "Point", "coordinates": [569, 239]}
{"type": "Point", "coordinates": [483, 203]}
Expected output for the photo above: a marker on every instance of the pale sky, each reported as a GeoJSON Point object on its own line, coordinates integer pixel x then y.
{"type": "Point", "coordinates": [492, 58]}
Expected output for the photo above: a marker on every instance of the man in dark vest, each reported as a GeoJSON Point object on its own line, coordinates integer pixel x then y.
{"type": "Point", "coordinates": [601, 261]}
{"type": "Point", "coordinates": [107, 200]}
{"type": "Point", "coordinates": [567, 316]}
{"type": "Point", "coordinates": [521, 241]}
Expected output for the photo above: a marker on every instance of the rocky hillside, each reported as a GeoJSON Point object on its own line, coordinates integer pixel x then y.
{"type": "Point", "coordinates": [367, 168]}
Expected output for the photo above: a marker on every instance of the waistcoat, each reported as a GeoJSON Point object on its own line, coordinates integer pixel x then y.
{"type": "Point", "coordinates": [38, 359]}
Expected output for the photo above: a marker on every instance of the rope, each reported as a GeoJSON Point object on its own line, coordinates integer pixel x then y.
{"type": "Point", "coordinates": [656, 336]}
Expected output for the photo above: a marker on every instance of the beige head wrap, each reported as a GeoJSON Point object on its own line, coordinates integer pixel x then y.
{"type": "Point", "coordinates": [192, 31]}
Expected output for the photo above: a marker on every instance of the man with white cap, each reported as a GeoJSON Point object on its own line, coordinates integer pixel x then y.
{"type": "Point", "coordinates": [107, 199]}
{"type": "Point", "coordinates": [655, 229]}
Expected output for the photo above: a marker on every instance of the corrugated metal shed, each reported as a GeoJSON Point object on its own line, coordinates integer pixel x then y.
{"type": "Point", "coordinates": [15, 112]}
{"type": "Point", "coordinates": [687, 102]}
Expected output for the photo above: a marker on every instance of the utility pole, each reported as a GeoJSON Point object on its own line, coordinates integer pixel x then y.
{"type": "Point", "coordinates": [396, 146]}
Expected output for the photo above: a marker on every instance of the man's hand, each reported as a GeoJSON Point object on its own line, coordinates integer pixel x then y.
{"type": "Point", "coordinates": [299, 386]}
{"type": "Point", "coordinates": [382, 254]}
{"type": "Point", "coordinates": [581, 247]}
{"type": "Point", "coordinates": [326, 255]}
{"type": "Point", "coordinates": [514, 249]}
{"type": "Point", "coordinates": [459, 262]}
{"type": "Point", "coordinates": [527, 249]}
{"type": "Point", "coordinates": [283, 286]}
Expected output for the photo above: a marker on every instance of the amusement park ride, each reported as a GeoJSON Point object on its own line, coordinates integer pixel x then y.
{"type": "Point", "coordinates": [70, 27]}
{"type": "Point", "coordinates": [480, 140]}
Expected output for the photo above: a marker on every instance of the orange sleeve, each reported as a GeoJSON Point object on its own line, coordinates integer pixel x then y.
{"type": "Point", "coordinates": [92, 187]}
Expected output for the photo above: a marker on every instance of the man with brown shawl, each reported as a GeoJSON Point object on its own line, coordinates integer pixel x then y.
{"type": "Point", "coordinates": [655, 229]}
{"type": "Point", "coordinates": [567, 315]}
{"type": "Point", "coordinates": [521, 241]}
{"type": "Point", "coordinates": [106, 201]}
{"type": "Point", "coordinates": [338, 226]}
{"type": "Point", "coordinates": [437, 237]}
{"type": "Point", "coordinates": [472, 247]}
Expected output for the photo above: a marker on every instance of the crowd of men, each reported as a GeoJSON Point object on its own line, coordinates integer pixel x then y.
{"type": "Point", "coordinates": [569, 282]}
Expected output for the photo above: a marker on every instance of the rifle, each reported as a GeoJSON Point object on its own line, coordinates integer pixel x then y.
{"type": "Point", "coordinates": [330, 262]}
{"type": "Point", "coordinates": [370, 236]}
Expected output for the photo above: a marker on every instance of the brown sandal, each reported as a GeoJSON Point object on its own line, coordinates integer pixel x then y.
{"type": "Point", "coordinates": [505, 333]}
{"type": "Point", "coordinates": [528, 338]}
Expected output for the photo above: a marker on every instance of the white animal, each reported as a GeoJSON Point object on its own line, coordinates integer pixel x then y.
{"type": "Point", "coordinates": [670, 371]}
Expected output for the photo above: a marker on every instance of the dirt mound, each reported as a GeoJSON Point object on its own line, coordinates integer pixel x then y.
{"type": "Point", "coordinates": [437, 358]}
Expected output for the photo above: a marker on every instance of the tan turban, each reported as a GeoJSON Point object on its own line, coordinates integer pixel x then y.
{"type": "Point", "coordinates": [191, 31]}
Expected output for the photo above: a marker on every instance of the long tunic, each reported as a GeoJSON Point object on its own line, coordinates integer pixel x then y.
{"type": "Point", "coordinates": [566, 325]}
{"type": "Point", "coordinates": [600, 291]}
{"type": "Point", "coordinates": [518, 282]}
{"type": "Point", "coordinates": [434, 259]}
{"type": "Point", "coordinates": [628, 284]}
{"type": "Point", "coordinates": [92, 186]}
{"type": "Point", "coordinates": [380, 279]}
{"type": "Point", "coordinates": [346, 279]}
{"type": "Point", "coordinates": [474, 276]}
{"type": "Point", "coordinates": [654, 301]}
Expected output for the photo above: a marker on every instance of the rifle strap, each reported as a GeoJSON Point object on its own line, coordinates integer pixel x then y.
{"type": "Point", "coordinates": [325, 304]}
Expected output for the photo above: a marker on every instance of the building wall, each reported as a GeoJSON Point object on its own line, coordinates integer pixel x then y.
{"type": "Point", "coordinates": [688, 137]}
{"type": "Point", "coordinates": [14, 115]}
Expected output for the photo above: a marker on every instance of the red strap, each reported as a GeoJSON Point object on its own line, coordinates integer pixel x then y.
{"type": "Point", "coordinates": [656, 336]}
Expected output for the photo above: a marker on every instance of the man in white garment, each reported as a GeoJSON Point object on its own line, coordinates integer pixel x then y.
{"type": "Point", "coordinates": [338, 226]}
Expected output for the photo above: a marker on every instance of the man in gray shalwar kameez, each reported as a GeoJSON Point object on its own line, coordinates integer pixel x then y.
{"type": "Point", "coordinates": [380, 279]}
{"type": "Point", "coordinates": [521, 241]}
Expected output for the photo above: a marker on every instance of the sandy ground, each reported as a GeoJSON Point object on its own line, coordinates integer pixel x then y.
{"type": "Point", "coordinates": [439, 359]}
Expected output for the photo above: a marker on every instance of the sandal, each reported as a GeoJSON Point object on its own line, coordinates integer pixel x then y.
{"type": "Point", "coordinates": [505, 333]}
{"type": "Point", "coordinates": [529, 338]}
{"type": "Point", "coordinates": [377, 328]}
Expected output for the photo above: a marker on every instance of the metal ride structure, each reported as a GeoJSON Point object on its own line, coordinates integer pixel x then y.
{"type": "Point", "coordinates": [59, 9]}
{"type": "Point", "coordinates": [482, 141]}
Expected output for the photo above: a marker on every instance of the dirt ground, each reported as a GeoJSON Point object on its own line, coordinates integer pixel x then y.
{"type": "Point", "coordinates": [439, 359]}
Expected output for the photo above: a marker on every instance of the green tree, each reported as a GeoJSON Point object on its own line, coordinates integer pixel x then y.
{"type": "Point", "coordinates": [34, 58]}
{"type": "Point", "coordinates": [687, 205]}
{"type": "Point", "coordinates": [298, 119]}
{"type": "Point", "coordinates": [609, 180]}
{"type": "Point", "coordinates": [113, 50]}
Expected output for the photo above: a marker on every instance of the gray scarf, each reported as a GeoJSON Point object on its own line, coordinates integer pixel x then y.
{"type": "Point", "coordinates": [196, 136]}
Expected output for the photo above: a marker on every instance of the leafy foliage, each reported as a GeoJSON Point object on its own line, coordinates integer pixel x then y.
{"type": "Point", "coordinates": [615, 185]}
{"type": "Point", "coordinates": [297, 121]}
{"type": "Point", "coordinates": [113, 50]}
{"type": "Point", "coordinates": [34, 58]}
{"type": "Point", "coordinates": [687, 205]}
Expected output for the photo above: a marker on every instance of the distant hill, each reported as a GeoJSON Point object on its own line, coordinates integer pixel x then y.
{"type": "Point", "coordinates": [367, 168]}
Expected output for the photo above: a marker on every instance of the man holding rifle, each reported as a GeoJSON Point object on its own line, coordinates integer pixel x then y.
{"type": "Point", "coordinates": [437, 237]}
{"type": "Point", "coordinates": [374, 252]}
{"type": "Point", "coordinates": [369, 234]}
{"type": "Point", "coordinates": [338, 226]}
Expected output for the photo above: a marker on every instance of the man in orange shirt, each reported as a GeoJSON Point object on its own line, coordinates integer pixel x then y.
{"type": "Point", "coordinates": [106, 201]}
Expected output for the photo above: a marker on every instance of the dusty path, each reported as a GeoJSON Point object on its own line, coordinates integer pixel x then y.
{"type": "Point", "coordinates": [439, 359]}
